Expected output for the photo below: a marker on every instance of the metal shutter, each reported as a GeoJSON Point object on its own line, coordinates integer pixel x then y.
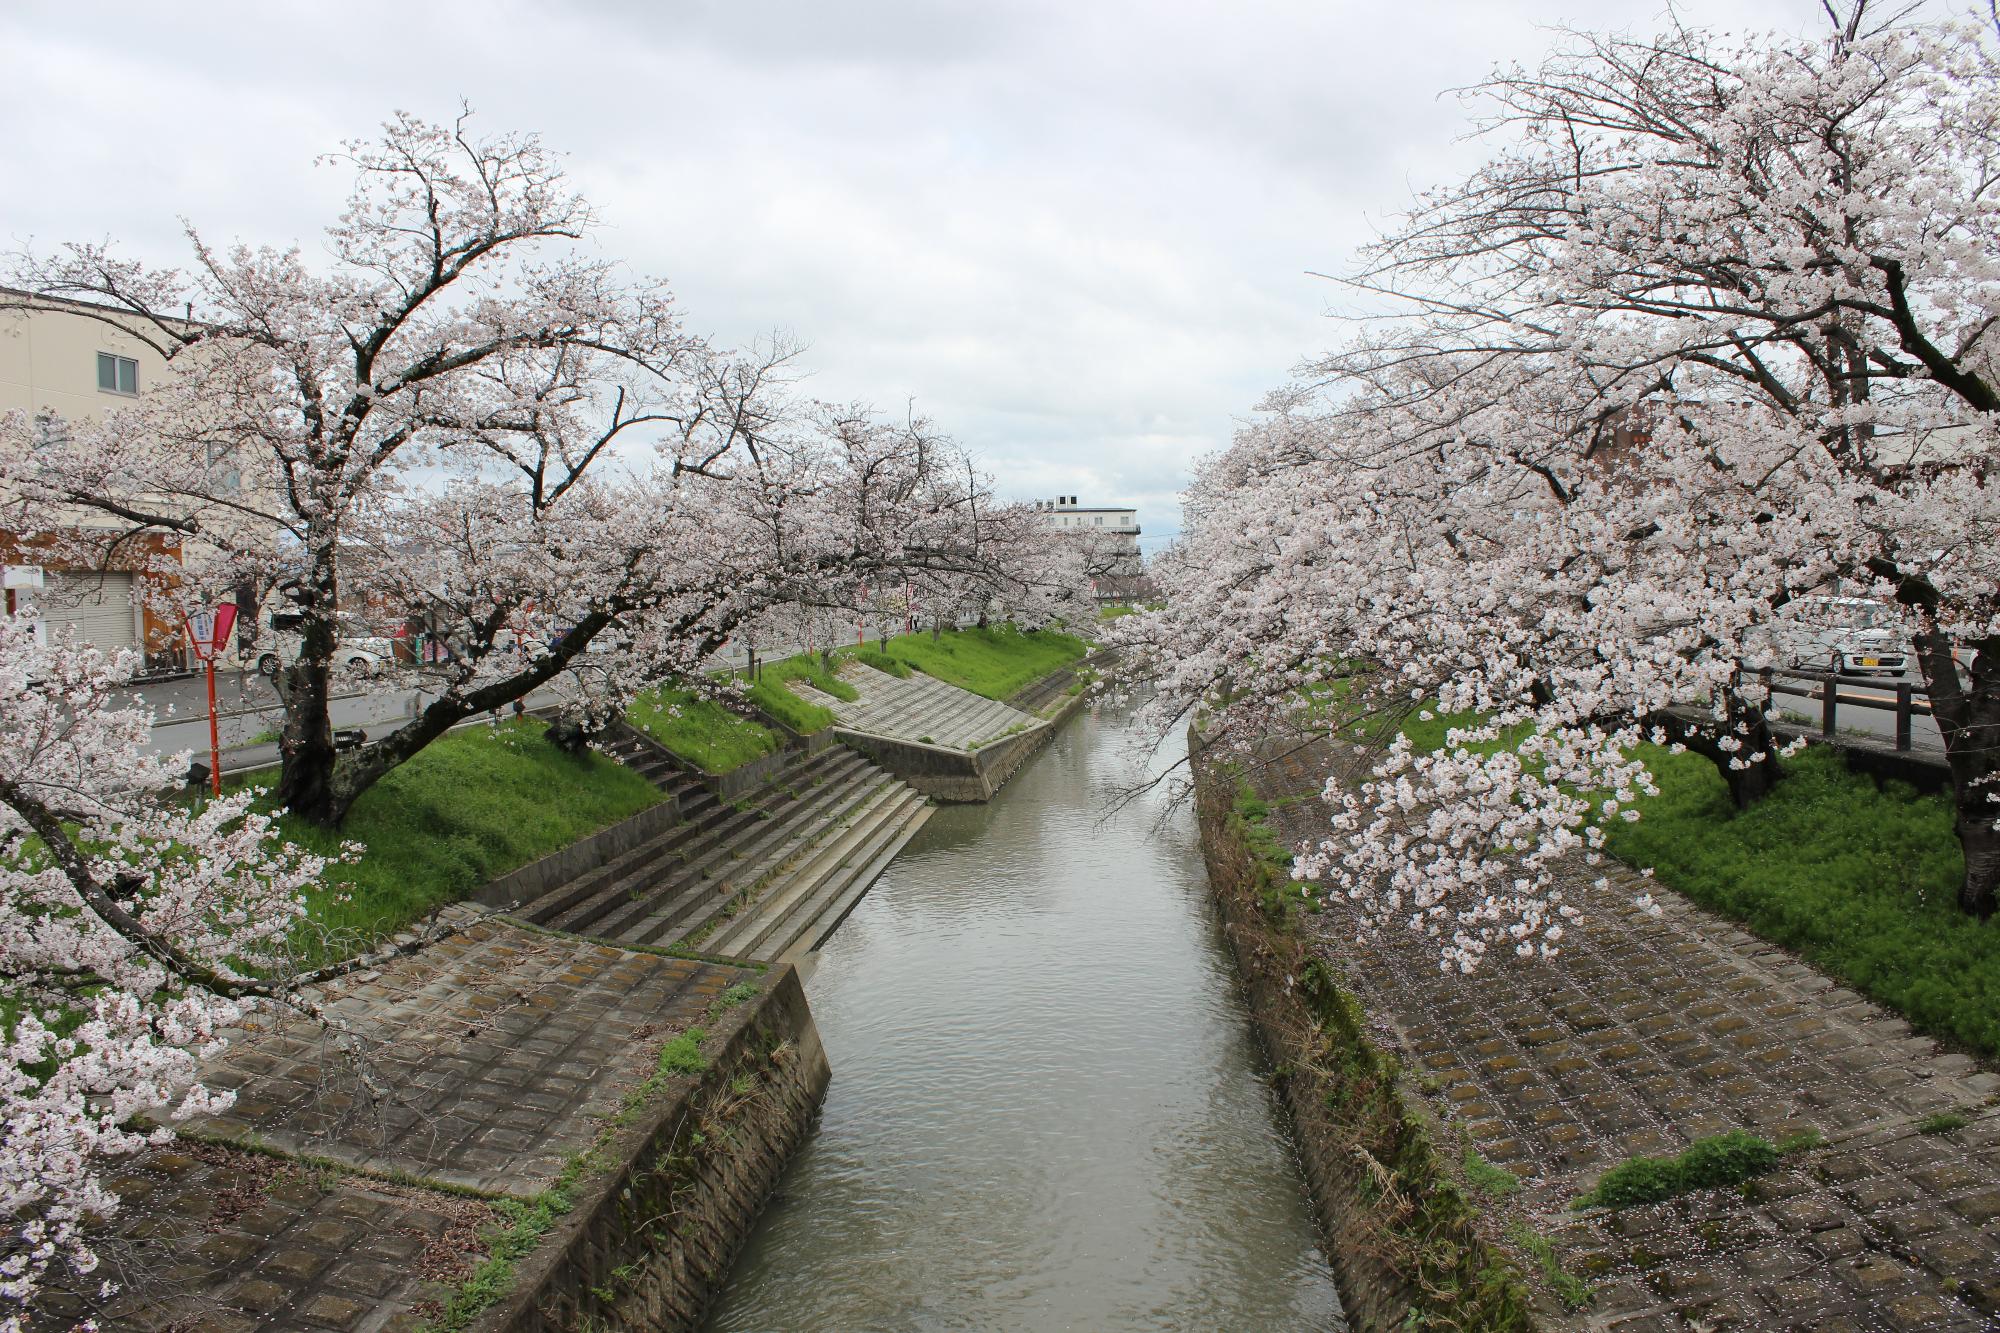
{"type": "Point", "coordinates": [97, 608]}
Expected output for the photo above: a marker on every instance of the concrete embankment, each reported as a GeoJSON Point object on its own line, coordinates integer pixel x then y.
{"type": "Point", "coordinates": [1399, 1230]}
{"type": "Point", "coordinates": [525, 1131]}
{"type": "Point", "coordinates": [1787, 1155]}
{"type": "Point", "coordinates": [949, 743]}
{"type": "Point", "coordinates": [649, 1238]}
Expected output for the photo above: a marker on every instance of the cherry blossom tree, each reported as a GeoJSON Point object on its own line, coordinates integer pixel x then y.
{"type": "Point", "coordinates": [1786, 250]}
{"type": "Point", "coordinates": [1710, 330]}
{"type": "Point", "coordinates": [459, 328]}
{"type": "Point", "coordinates": [133, 930]}
{"type": "Point", "coordinates": [476, 425]}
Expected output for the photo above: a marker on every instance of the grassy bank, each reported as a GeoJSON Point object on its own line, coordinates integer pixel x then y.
{"type": "Point", "coordinates": [471, 805]}
{"type": "Point", "coordinates": [1858, 877]}
{"type": "Point", "coordinates": [994, 662]}
{"type": "Point", "coordinates": [768, 692]}
{"type": "Point", "coordinates": [700, 730]}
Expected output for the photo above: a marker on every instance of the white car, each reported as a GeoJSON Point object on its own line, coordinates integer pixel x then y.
{"type": "Point", "coordinates": [1850, 636]}
{"type": "Point", "coordinates": [364, 654]}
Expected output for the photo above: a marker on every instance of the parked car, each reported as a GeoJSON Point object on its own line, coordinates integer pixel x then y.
{"type": "Point", "coordinates": [355, 650]}
{"type": "Point", "coordinates": [1853, 636]}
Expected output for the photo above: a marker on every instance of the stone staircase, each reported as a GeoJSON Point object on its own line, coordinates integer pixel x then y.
{"type": "Point", "coordinates": [652, 762]}
{"type": "Point", "coordinates": [919, 708]}
{"type": "Point", "coordinates": [767, 876]}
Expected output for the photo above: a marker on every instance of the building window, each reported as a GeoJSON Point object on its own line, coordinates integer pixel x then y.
{"type": "Point", "coordinates": [1098, 520]}
{"type": "Point", "coordinates": [117, 374]}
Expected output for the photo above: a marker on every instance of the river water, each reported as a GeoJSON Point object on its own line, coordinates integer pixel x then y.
{"type": "Point", "coordinates": [1047, 1108]}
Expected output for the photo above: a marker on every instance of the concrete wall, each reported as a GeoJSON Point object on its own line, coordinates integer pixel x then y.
{"type": "Point", "coordinates": [48, 362]}
{"type": "Point", "coordinates": [1351, 1117]}
{"type": "Point", "coordinates": [531, 881]}
{"type": "Point", "coordinates": [965, 776]}
{"type": "Point", "coordinates": [649, 1243]}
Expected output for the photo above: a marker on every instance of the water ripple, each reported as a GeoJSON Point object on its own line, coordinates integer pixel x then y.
{"type": "Point", "coordinates": [1046, 1110]}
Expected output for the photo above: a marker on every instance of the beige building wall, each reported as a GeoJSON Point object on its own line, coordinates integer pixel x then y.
{"type": "Point", "coordinates": [48, 362]}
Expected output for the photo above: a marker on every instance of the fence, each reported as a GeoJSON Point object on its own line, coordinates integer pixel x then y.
{"type": "Point", "coordinates": [1833, 690]}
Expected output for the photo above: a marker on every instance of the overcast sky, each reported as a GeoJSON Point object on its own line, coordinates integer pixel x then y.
{"type": "Point", "coordinates": [1078, 233]}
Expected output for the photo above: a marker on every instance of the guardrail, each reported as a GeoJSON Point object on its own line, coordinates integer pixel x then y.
{"type": "Point", "coordinates": [1827, 690]}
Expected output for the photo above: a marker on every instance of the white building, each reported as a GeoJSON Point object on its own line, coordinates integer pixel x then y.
{"type": "Point", "coordinates": [1123, 579]}
{"type": "Point", "coordinates": [65, 362]}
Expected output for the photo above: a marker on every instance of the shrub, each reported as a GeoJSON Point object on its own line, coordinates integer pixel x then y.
{"type": "Point", "coordinates": [1721, 1159]}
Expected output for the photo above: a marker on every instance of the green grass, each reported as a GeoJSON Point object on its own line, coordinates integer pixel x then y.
{"type": "Point", "coordinates": [1860, 879]}
{"type": "Point", "coordinates": [1493, 1181]}
{"type": "Point", "coordinates": [995, 662]}
{"type": "Point", "coordinates": [878, 659]}
{"type": "Point", "coordinates": [768, 692]}
{"type": "Point", "coordinates": [1720, 1159]}
{"type": "Point", "coordinates": [1944, 1122]}
{"type": "Point", "coordinates": [683, 1054]}
{"type": "Point", "coordinates": [700, 730]}
{"type": "Point", "coordinates": [472, 805]}
{"type": "Point", "coordinates": [1570, 1289]}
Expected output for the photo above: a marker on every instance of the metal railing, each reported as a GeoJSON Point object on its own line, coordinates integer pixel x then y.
{"type": "Point", "coordinates": [1831, 690]}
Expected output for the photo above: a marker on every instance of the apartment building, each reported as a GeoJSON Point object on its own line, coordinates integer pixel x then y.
{"type": "Point", "coordinates": [63, 362]}
{"type": "Point", "coordinates": [1123, 580]}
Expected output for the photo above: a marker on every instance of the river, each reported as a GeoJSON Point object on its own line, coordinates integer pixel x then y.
{"type": "Point", "coordinates": [1047, 1110]}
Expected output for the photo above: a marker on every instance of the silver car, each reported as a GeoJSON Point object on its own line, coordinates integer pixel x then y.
{"type": "Point", "coordinates": [1851, 636]}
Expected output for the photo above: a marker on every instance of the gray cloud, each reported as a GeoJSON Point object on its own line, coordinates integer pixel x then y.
{"type": "Point", "coordinates": [1077, 234]}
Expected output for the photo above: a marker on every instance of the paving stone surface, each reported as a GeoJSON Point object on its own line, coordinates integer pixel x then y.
{"type": "Point", "coordinates": [215, 1240]}
{"type": "Point", "coordinates": [484, 1059]}
{"type": "Point", "coordinates": [1650, 1031]}
{"type": "Point", "coordinates": [920, 708]}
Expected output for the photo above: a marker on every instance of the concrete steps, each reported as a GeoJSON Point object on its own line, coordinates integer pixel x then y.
{"type": "Point", "coordinates": [750, 878]}
{"type": "Point", "coordinates": [637, 751]}
{"type": "Point", "coordinates": [871, 832]}
{"type": "Point", "coordinates": [920, 708]}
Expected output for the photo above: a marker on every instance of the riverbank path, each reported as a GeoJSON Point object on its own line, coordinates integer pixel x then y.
{"type": "Point", "coordinates": [1648, 1032]}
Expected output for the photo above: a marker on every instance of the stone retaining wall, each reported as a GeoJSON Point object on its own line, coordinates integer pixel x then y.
{"type": "Point", "coordinates": [965, 776]}
{"type": "Point", "coordinates": [529, 882]}
{"type": "Point", "coordinates": [1396, 1226]}
{"type": "Point", "coordinates": [649, 1243]}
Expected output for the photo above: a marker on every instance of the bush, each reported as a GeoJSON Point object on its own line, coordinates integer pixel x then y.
{"type": "Point", "coordinates": [1722, 1159]}
{"type": "Point", "coordinates": [1859, 878]}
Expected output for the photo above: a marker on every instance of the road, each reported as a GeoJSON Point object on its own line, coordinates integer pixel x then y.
{"type": "Point", "coordinates": [1879, 723]}
{"type": "Point", "coordinates": [248, 712]}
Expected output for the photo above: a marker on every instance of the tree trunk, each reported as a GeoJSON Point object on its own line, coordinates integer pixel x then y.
{"type": "Point", "coordinates": [1751, 771]}
{"type": "Point", "coordinates": [1967, 707]}
{"type": "Point", "coordinates": [305, 781]}
{"type": "Point", "coordinates": [572, 736]}
{"type": "Point", "coordinates": [1749, 723]}
{"type": "Point", "coordinates": [338, 785]}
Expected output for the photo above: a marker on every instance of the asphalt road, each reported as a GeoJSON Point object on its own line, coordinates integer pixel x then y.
{"type": "Point", "coordinates": [1854, 716]}
{"type": "Point", "coordinates": [247, 710]}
